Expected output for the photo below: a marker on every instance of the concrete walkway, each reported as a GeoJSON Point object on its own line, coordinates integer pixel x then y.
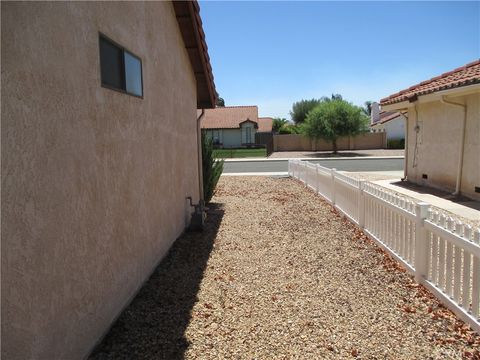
{"type": "Point", "coordinates": [465, 208]}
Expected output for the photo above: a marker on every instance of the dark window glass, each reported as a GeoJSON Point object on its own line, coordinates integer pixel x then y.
{"type": "Point", "coordinates": [111, 64]}
{"type": "Point", "coordinates": [119, 68]}
{"type": "Point", "coordinates": [133, 74]}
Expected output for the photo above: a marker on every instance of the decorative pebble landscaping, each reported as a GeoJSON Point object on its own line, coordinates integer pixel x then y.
{"type": "Point", "coordinates": [279, 274]}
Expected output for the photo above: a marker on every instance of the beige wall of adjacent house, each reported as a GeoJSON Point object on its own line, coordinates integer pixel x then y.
{"type": "Point", "coordinates": [295, 142]}
{"type": "Point", "coordinates": [434, 150]}
{"type": "Point", "coordinates": [93, 181]}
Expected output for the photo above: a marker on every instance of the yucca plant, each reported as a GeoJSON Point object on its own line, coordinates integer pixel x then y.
{"type": "Point", "coordinates": [212, 168]}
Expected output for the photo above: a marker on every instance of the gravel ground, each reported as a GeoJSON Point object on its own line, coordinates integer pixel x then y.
{"type": "Point", "coordinates": [342, 153]}
{"type": "Point", "coordinates": [280, 275]}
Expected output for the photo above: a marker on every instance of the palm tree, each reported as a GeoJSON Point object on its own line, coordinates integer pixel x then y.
{"type": "Point", "coordinates": [278, 123]}
{"type": "Point", "coordinates": [367, 108]}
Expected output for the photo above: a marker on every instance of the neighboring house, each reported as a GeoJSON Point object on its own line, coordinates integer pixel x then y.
{"type": "Point", "coordinates": [99, 152]}
{"type": "Point", "coordinates": [234, 126]}
{"type": "Point", "coordinates": [443, 130]}
{"type": "Point", "coordinates": [391, 122]}
{"type": "Point", "coordinates": [265, 125]}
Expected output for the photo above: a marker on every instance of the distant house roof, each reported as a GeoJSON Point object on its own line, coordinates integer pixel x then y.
{"type": "Point", "coordinates": [265, 124]}
{"type": "Point", "coordinates": [229, 117]}
{"type": "Point", "coordinates": [386, 116]}
{"type": "Point", "coordinates": [462, 76]}
{"type": "Point", "coordinates": [190, 23]}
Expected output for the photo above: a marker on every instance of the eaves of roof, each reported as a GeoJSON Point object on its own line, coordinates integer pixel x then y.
{"type": "Point", "coordinates": [190, 23]}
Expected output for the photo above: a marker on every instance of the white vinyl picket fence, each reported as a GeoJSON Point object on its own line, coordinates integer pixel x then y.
{"type": "Point", "coordinates": [441, 252]}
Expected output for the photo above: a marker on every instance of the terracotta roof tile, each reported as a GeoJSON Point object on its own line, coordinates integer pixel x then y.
{"type": "Point", "coordinates": [228, 117]}
{"type": "Point", "coordinates": [388, 117]}
{"type": "Point", "coordinates": [265, 124]}
{"type": "Point", "coordinates": [462, 76]}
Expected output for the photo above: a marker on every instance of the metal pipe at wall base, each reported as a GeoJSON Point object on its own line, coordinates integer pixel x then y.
{"type": "Point", "coordinates": [462, 143]}
{"type": "Point", "coordinates": [199, 156]}
{"type": "Point", "coordinates": [199, 215]}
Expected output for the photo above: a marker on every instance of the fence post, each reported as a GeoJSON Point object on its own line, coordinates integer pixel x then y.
{"type": "Point", "coordinates": [361, 204]}
{"type": "Point", "coordinates": [421, 211]}
{"type": "Point", "coordinates": [305, 168]}
{"type": "Point", "coordinates": [333, 171]}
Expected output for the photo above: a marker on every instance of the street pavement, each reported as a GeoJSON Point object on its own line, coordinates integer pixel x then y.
{"type": "Point", "coordinates": [277, 166]}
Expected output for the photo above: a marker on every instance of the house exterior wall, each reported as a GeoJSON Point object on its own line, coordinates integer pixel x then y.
{"type": "Point", "coordinates": [395, 128]}
{"type": "Point", "coordinates": [232, 137]}
{"type": "Point", "coordinates": [248, 133]}
{"type": "Point", "coordinates": [434, 150]}
{"type": "Point", "coordinates": [216, 135]}
{"type": "Point", "coordinates": [229, 138]}
{"type": "Point", "coordinates": [93, 180]}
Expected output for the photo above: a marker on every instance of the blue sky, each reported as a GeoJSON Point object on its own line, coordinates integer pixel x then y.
{"type": "Point", "coordinates": [271, 54]}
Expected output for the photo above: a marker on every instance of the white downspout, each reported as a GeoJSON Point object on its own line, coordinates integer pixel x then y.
{"type": "Point", "coordinates": [405, 156]}
{"type": "Point", "coordinates": [462, 142]}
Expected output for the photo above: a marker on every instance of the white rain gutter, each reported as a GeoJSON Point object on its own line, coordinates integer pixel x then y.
{"type": "Point", "coordinates": [200, 160]}
{"type": "Point", "coordinates": [462, 142]}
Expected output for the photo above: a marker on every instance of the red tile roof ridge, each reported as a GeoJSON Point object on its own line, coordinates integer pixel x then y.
{"type": "Point", "coordinates": [433, 79]}
{"type": "Point", "coordinates": [475, 62]}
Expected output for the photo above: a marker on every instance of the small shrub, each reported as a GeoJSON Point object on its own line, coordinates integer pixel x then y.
{"type": "Point", "coordinates": [396, 144]}
{"type": "Point", "coordinates": [212, 169]}
{"type": "Point", "coordinates": [289, 129]}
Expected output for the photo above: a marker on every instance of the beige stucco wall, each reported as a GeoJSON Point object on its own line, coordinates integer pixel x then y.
{"type": "Point", "coordinates": [295, 142]}
{"type": "Point", "coordinates": [93, 181]}
{"type": "Point", "coordinates": [434, 150]}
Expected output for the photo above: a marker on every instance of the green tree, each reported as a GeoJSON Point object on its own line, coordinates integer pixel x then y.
{"type": "Point", "coordinates": [301, 108]}
{"type": "Point", "coordinates": [278, 123]}
{"type": "Point", "coordinates": [220, 102]}
{"type": "Point", "coordinates": [212, 168]}
{"type": "Point", "coordinates": [333, 119]}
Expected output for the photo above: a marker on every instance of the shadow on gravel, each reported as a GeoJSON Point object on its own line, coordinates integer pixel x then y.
{"type": "Point", "coordinates": [153, 325]}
